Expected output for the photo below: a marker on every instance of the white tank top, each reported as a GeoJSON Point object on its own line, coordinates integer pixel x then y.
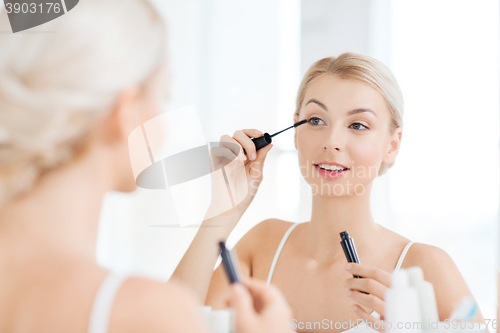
{"type": "Point", "coordinates": [103, 302]}
{"type": "Point", "coordinates": [361, 328]}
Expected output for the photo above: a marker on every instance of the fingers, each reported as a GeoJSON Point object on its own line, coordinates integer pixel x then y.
{"type": "Point", "coordinates": [375, 282]}
{"type": "Point", "coordinates": [241, 300]}
{"type": "Point", "coordinates": [370, 272]}
{"type": "Point", "coordinates": [257, 166]}
{"type": "Point", "coordinates": [233, 145]}
{"type": "Point", "coordinates": [368, 300]}
{"type": "Point", "coordinates": [243, 137]}
{"type": "Point", "coordinates": [375, 322]}
{"type": "Point", "coordinates": [222, 153]}
{"type": "Point", "coordinates": [266, 297]}
{"type": "Point", "coordinates": [254, 297]}
{"type": "Point", "coordinates": [261, 294]}
{"type": "Point", "coordinates": [262, 153]}
{"type": "Point", "coordinates": [269, 312]}
{"type": "Point", "coordinates": [368, 285]}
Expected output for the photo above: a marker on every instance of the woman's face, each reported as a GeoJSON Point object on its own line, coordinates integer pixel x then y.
{"type": "Point", "coordinates": [349, 126]}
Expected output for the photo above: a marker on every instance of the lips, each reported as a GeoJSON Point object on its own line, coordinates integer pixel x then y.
{"type": "Point", "coordinates": [330, 165]}
{"type": "Point", "coordinates": [331, 170]}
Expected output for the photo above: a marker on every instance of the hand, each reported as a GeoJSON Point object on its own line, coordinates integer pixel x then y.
{"type": "Point", "coordinates": [259, 308]}
{"type": "Point", "coordinates": [375, 282]}
{"type": "Point", "coordinates": [234, 190]}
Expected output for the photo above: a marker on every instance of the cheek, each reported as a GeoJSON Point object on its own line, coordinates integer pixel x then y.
{"type": "Point", "coordinates": [306, 145]}
{"type": "Point", "coordinates": [302, 147]}
{"type": "Point", "coordinates": [366, 153]}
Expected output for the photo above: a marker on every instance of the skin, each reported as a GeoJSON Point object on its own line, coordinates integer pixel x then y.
{"type": "Point", "coordinates": [47, 239]}
{"type": "Point", "coordinates": [48, 273]}
{"type": "Point", "coordinates": [311, 270]}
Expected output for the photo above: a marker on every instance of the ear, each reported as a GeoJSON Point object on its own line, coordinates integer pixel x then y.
{"type": "Point", "coordinates": [393, 146]}
{"type": "Point", "coordinates": [295, 119]}
{"type": "Point", "coordinates": [123, 118]}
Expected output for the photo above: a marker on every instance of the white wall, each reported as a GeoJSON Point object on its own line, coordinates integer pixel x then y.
{"type": "Point", "coordinates": [447, 175]}
{"type": "Point", "coordinates": [228, 58]}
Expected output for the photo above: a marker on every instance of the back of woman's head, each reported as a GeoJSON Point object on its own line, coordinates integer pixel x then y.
{"type": "Point", "coordinates": [353, 66]}
{"type": "Point", "coordinates": [56, 86]}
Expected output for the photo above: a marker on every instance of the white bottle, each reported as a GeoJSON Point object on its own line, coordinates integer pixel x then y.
{"type": "Point", "coordinates": [402, 307]}
{"type": "Point", "coordinates": [220, 321]}
{"type": "Point", "coordinates": [427, 298]}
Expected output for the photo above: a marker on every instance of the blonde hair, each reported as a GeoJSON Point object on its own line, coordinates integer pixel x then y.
{"type": "Point", "coordinates": [55, 87]}
{"type": "Point", "coordinates": [363, 68]}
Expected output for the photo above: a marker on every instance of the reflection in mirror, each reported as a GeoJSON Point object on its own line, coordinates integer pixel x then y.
{"type": "Point", "coordinates": [443, 189]}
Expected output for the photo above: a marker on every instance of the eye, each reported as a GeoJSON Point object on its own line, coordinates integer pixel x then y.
{"type": "Point", "coordinates": [359, 124]}
{"type": "Point", "coordinates": [315, 121]}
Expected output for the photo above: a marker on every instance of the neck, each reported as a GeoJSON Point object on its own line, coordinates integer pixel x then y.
{"type": "Point", "coordinates": [333, 215]}
{"type": "Point", "coordinates": [59, 215]}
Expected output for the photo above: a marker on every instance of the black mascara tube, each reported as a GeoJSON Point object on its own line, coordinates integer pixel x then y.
{"type": "Point", "coordinates": [349, 249]}
{"type": "Point", "coordinates": [229, 265]}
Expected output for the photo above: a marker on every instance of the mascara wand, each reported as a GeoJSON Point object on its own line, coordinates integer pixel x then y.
{"type": "Point", "coordinates": [266, 139]}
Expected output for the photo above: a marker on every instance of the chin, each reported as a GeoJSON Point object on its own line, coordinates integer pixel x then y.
{"type": "Point", "coordinates": [337, 188]}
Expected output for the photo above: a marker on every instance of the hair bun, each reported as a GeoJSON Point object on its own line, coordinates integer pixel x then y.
{"type": "Point", "coordinates": [55, 87]}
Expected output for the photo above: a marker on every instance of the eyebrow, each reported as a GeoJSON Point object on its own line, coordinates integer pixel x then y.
{"type": "Point", "coordinates": [350, 113]}
{"type": "Point", "coordinates": [361, 110]}
{"type": "Point", "coordinates": [312, 100]}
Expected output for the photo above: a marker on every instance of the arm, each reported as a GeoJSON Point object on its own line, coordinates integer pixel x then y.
{"type": "Point", "coordinates": [144, 305]}
{"type": "Point", "coordinates": [260, 308]}
{"type": "Point", "coordinates": [149, 306]}
{"type": "Point", "coordinates": [197, 265]}
{"type": "Point", "coordinates": [244, 175]}
{"type": "Point", "coordinates": [219, 289]}
{"type": "Point", "coordinates": [260, 239]}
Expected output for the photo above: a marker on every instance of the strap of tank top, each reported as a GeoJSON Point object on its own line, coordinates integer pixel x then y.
{"type": "Point", "coordinates": [103, 302]}
{"type": "Point", "coordinates": [280, 247]}
{"type": "Point", "coordinates": [401, 258]}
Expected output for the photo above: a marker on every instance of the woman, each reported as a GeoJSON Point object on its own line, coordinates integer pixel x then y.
{"type": "Point", "coordinates": [68, 101]}
{"type": "Point", "coordinates": [354, 109]}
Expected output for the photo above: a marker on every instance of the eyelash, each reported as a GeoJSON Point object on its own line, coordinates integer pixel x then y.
{"type": "Point", "coordinates": [366, 128]}
{"type": "Point", "coordinates": [314, 118]}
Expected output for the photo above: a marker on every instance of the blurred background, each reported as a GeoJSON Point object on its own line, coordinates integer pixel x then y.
{"type": "Point", "coordinates": [240, 63]}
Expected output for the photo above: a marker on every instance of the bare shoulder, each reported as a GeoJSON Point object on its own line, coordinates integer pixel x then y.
{"type": "Point", "coordinates": [144, 305]}
{"type": "Point", "coordinates": [263, 237]}
{"type": "Point", "coordinates": [259, 245]}
{"type": "Point", "coordinates": [433, 260]}
{"type": "Point", "coordinates": [427, 256]}
{"type": "Point", "coordinates": [439, 269]}
{"type": "Point", "coordinates": [265, 231]}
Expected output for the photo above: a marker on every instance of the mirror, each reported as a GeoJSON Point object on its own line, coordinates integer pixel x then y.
{"type": "Point", "coordinates": [241, 64]}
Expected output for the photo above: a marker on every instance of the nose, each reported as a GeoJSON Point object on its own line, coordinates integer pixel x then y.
{"type": "Point", "coordinates": [334, 140]}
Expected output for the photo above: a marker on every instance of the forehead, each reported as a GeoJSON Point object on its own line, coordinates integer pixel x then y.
{"type": "Point", "coordinates": [345, 94]}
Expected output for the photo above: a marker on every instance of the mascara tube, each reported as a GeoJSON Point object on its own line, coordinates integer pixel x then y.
{"type": "Point", "coordinates": [229, 264]}
{"type": "Point", "coordinates": [349, 249]}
